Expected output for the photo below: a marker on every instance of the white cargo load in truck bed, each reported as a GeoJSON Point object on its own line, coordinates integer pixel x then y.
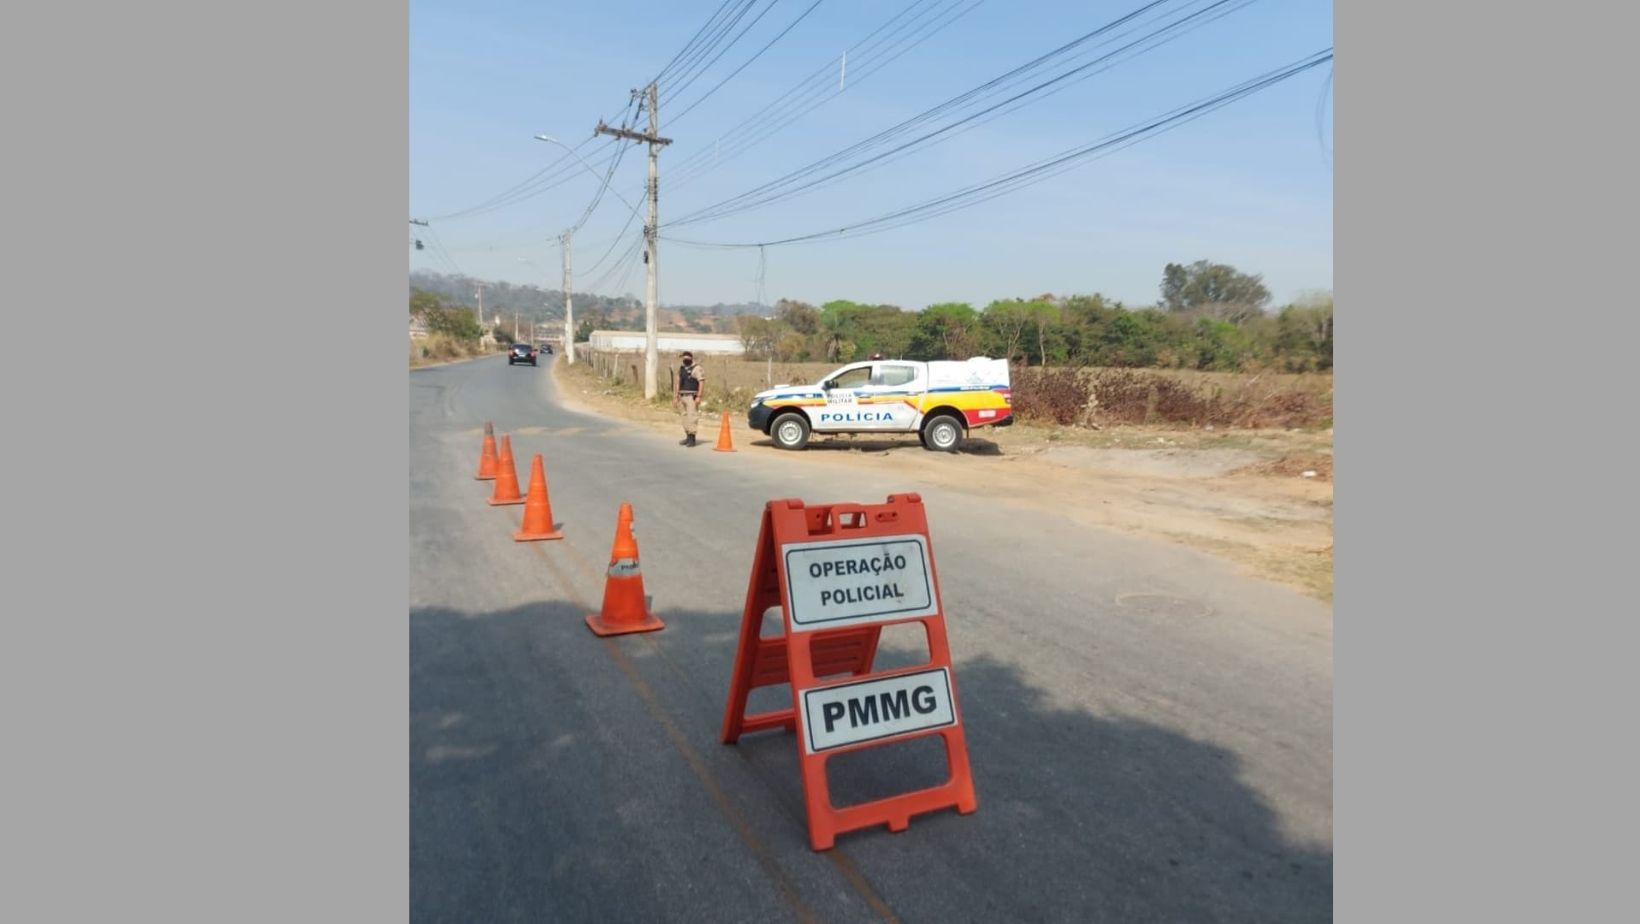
{"type": "Point", "coordinates": [979, 372]}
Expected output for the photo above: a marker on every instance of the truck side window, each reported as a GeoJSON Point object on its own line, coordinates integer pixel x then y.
{"type": "Point", "coordinates": [891, 376]}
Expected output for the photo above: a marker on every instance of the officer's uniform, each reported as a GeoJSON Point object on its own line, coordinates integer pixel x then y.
{"type": "Point", "coordinates": [689, 379]}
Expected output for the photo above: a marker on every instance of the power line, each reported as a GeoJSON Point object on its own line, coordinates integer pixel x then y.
{"type": "Point", "coordinates": [622, 269]}
{"type": "Point", "coordinates": [689, 45]}
{"type": "Point", "coordinates": [627, 259]}
{"type": "Point", "coordinates": [562, 176]}
{"type": "Point", "coordinates": [599, 195]}
{"type": "Point", "coordinates": [782, 34]}
{"type": "Point", "coordinates": [1041, 170]}
{"type": "Point", "coordinates": [443, 253]}
{"type": "Point", "coordinates": [963, 97]}
{"type": "Point", "coordinates": [1060, 163]}
{"type": "Point", "coordinates": [509, 191]}
{"type": "Point", "coordinates": [791, 183]}
{"type": "Point", "coordinates": [675, 90]}
{"type": "Point", "coordinates": [692, 68]}
{"type": "Point", "coordinates": [626, 277]}
{"type": "Point", "coordinates": [559, 171]}
{"type": "Point", "coordinates": [817, 89]}
{"type": "Point", "coordinates": [1156, 39]}
{"type": "Point", "coordinates": [822, 74]}
{"type": "Point", "coordinates": [551, 176]}
{"type": "Point", "coordinates": [440, 253]}
{"type": "Point", "coordinates": [617, 239]}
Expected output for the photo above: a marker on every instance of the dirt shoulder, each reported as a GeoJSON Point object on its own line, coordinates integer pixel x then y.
{"type": "Point", "coordinates": [1243, 495]}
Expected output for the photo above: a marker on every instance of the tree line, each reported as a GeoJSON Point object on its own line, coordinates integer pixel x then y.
{"type": "Point", "coordinates": [530, 303]}
{"type": "Point", "coordinates": [534, 304]}
{"type": "Point", "coordinates": [1210, 316]}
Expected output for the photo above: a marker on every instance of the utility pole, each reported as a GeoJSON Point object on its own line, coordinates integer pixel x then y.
{"type": "Point", "coordinates": [481, 306]}
{"type": "Point", "coordinates": [651, 256]}
{"type": "Point", "coordinates": [569, 299]}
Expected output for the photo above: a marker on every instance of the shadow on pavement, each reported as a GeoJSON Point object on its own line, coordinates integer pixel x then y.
{"type": "Point", "coordinates": [541, 789]}
{"type": "Point", "coordinates": [972, 446]}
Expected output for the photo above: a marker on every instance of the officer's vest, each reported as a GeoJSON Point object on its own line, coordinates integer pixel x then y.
{"type": "Point", "coordinates": [686, 381]}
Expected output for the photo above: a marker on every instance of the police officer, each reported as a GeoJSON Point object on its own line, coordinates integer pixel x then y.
{"type": "Point", "coordinates": [687, 391]}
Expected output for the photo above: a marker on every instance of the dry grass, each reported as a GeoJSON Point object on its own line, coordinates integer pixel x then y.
{"type": "Point", "coordinates": [1224, 399]}
{"type": "Point", "coordinates": [1121, 396]}
{"type": "Point", "coordinates": [1211, 405]}
{"type": "Point", "coordinates": [750, 376]}
{"type": "Point", "coordinates": [730, 381]}
{"type": "Point", "coordinates": [441, 348]}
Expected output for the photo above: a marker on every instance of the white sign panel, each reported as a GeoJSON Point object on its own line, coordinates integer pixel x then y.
{"type": "Point", "coordinates": [847, 582]}
{"type": "Point", "coordinates": [868, 710]}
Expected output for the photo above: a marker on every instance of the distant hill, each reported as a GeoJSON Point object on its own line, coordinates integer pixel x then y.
{"type": "Point", "coordinates": [535, 304]}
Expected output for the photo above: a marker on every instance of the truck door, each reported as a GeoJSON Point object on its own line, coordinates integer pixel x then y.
{"type": "Point", "coordinates": [889, 401]}
{"type": "Point", "coordinates": [841, 413]}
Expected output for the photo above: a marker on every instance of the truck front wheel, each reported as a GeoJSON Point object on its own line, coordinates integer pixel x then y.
{"type": "Point", "coordinates": [942, 434]}
{"type": "Point", "coordinates": [790, 431]}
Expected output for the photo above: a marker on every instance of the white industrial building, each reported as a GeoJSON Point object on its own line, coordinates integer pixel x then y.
{"type": "Point", "coordinates": [667, 343]}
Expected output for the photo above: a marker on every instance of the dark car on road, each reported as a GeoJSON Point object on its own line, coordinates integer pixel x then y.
{"type": "Point", "coordinates": [521, 353]}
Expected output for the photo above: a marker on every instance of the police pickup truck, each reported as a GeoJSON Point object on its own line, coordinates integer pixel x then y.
{"type": "Point", "coordinates": [939, 401]}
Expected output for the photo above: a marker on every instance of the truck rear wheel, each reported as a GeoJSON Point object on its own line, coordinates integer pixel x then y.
{"type": "Point", "coordinates": [942, 434]}
{"type": "Point", "coordinates": [790, 431]}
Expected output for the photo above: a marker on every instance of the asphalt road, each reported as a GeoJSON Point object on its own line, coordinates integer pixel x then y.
{"type": "Point", "coordinates": [1150, 733]}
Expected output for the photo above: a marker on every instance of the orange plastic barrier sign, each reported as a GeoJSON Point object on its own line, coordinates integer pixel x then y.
{"type": "Point", "coordinates": [840, 573]}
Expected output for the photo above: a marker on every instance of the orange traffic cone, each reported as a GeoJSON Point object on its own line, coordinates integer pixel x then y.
{"type": "Point", "coordinates": [506, 476]}
{"type": "Point", "coordinates": [624, 608]}
{"type": "Point", "coordinates": [486, 457]}
{"type": "Point", "coordinates": [537, 507]}
{"type": "Point", "coordinates": [725, 444]}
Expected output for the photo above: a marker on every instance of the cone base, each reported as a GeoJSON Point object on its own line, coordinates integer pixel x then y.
{"type": "Point", "coordinates": [723, 449]}
{"type": "Point", "coordinates": [522, 536]}
{"type": "Point", "coordinates": [602, 627]}
{"type": "Point", "coordinates": [503, 503]}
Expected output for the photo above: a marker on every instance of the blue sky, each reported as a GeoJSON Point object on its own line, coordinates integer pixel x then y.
{"type": "Point", "coordinates": [1249, 185]}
